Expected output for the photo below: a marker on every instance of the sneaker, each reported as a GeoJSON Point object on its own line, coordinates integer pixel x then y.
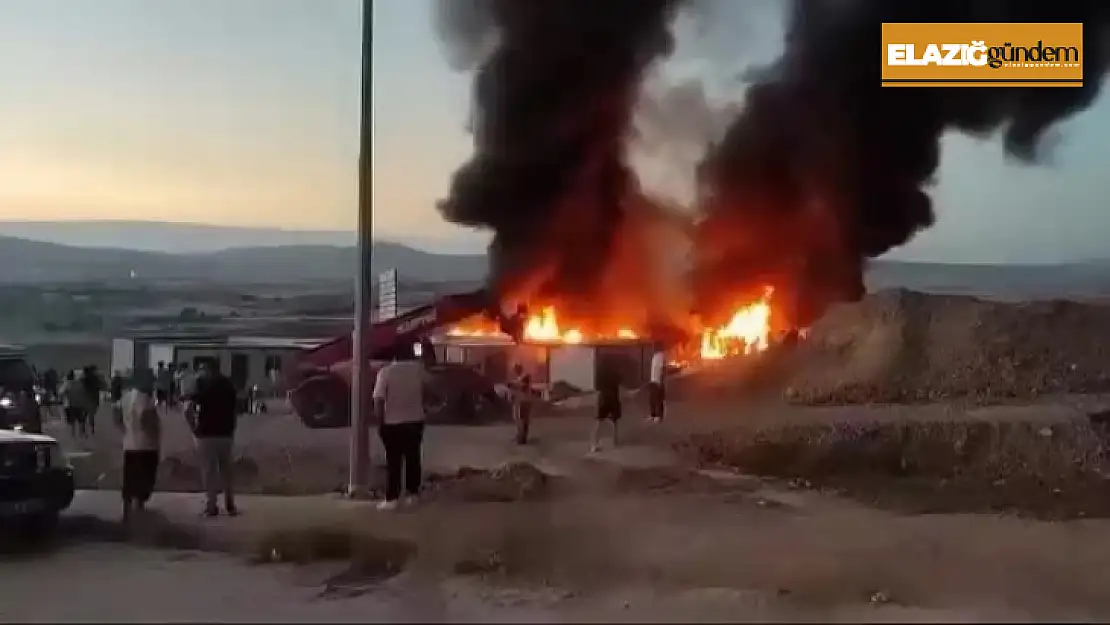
{"type": "Point", "coordinates": [595, 449]}
{"type": "Point", "coordinates": [412, 500]}
{"type": "Point", "coordinates": [387, 505]}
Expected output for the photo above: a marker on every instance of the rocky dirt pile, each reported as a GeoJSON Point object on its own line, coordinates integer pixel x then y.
{"type": "Point", "coordinates": [975, 465]}
{"type": "Point", "coordinates": [906, 347]}
{"type": "Point", "coordinates": [947, 449]}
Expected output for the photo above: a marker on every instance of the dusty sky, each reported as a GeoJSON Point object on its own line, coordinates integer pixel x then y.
{"type": "Point", "coordinates": [245, 112]}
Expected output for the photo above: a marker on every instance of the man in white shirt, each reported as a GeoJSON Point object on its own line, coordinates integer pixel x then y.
{"type": "Point", "coordinates": [138, 417]}
{"type": "Point", "coordinates": [657, 395]}
{"type": "Point", "coordinates": [399, 408]}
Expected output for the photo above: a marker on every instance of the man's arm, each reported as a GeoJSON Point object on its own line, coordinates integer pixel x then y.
{"type": "Point", "coordinates": [381, 391]}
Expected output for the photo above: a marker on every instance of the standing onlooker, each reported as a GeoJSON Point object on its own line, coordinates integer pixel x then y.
{"type": "Point", "coordinates": [50, 384]}
{"type": "Point", "coordinates": [399, 407]}
{"type": "Point", "coordinates": [138, 418]}
{"type": "Point", "coordinates": [657, 390]}
{"type": "Point", "coordinates": [213, 422]}
{"type": "Point", "coordinates": [186, 387]}
{"type": "Point", "coordinates": [163, 382]}
{"type": "Point", "coordinates": [171, 395]}
{"type": "Point", "coordinates": [73, 403]}
{"type": "Point", "coordinates": [274, 377]}
{"type": "Point", "coordinates": [521, 387]}
{"type": "Point", "coordinates": [93, 386]}
{"type": "Point", "coordinates": [115, 387]}
{"type": "Point", "coordinates": [608, 401]}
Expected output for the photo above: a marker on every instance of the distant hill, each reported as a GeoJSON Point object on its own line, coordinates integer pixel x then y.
{"type": "Point", "coordinates": [190, 238]}
{"type": "Point", "coordinates": [302, 260]}
{"type": "Point", "coordinates": [1087, 279]}
{"type": "Point", "coordinates": [175, 238]}
{"type": "Point", "coordinates": [25, 261]}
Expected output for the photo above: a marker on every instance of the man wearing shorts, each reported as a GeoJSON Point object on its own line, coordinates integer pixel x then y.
{"type": "Point", "coordinates": [74, 401]}
{"type": "Point", "coordinates": [608, 402]}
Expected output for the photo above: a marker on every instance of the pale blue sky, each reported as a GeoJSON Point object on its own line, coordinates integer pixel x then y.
{"type": "Point", "coordinates": [245, 112]}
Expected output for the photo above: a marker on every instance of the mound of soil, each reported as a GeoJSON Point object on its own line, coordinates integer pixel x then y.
{"type": "Point", "coordinates": [901, 346]}
{"type": "Point", "coordinates": [1057, 470]}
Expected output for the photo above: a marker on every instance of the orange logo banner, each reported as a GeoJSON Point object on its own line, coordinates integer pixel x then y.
{"type": "Point", "coordinates": [982, 55]}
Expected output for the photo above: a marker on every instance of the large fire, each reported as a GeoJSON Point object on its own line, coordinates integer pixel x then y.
{"type": "Point", "coordinates": [747, 331]}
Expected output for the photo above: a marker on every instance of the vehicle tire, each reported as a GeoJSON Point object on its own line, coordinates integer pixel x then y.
{"type": "Point", "coordinates": [323, 402]}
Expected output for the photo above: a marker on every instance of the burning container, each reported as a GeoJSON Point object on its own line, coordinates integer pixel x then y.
{"type": "Point", "coordinates": [578, 365]}
{"type": "Point", "coordinates": [575, 364]}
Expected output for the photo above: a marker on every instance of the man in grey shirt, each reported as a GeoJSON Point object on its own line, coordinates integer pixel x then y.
{"type": "Point", "coordinates": [399, 407]}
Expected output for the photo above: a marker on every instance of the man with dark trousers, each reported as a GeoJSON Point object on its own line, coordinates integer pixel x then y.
{"type": "Point", "coordinates": [213, 421]}
{"type": "Point", "coordinates": [399, 407]}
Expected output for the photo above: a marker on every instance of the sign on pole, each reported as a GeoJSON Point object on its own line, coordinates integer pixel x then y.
{"type": "Point", "coordinates": [387, 295]}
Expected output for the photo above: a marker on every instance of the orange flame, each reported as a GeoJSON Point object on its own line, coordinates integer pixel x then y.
{"type": "Point", "coordinates": [544, 327]}
{"type": "Point", "coordinates": [747, 331]}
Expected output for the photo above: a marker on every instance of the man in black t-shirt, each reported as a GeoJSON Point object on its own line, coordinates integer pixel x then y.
{"type": "Point", "coordinates": [608, 384]}
{"type": "Point", "coordinates": [213, 424]}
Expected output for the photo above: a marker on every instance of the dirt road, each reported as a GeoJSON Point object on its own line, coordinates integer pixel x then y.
{"type": "Point", "coordinates": [626, 535]}
{"type": "Point", "coordinates": [102, 583]}
{"type": "Point", "coordinates": [732, 554]}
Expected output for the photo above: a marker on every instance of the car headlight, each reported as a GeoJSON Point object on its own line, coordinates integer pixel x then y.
{"type": "Point", "coordinates": [6, 401]}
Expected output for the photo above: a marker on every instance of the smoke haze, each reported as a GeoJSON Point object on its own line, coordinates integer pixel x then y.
{"type": "Point", "coordinates": [556, 83]}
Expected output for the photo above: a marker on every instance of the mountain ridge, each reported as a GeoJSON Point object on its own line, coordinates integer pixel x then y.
{"type": "Point", "coordinates": [187, 238]}
{"type": "Point", "coordinates": [24, 260]}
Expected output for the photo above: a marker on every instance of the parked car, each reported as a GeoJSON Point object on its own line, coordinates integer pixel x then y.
{"type": "Point", "coordinates": [36, 481]}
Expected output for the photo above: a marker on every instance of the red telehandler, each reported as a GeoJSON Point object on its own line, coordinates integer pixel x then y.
{"type": "Point", "coordinates": [320, 380]}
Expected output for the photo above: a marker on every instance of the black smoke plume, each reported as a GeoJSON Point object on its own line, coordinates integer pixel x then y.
{"type": "Point", "coordinates": [824, 169]}
{"type": "Point", "coordinates": [554, 92]}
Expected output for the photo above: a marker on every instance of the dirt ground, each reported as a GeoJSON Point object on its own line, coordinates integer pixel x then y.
{"type": "Point", "coordinates": [757, 511]}
{"type": "Point", "coordinates": [163, 586]}
{"type": "Point", "coordinates": [1043, 459]}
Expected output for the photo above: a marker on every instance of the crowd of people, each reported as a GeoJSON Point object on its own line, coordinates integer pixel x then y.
{"type": "Point", "coordinates": [211, 405]}
{"type": "Point", "coordinates": [140, 400]}
{"type": "Point", "coordinates": [401, 385]}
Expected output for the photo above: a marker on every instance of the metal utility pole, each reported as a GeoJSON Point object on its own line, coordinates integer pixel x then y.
{"type": "Point", "coordinates": [361, 403]}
